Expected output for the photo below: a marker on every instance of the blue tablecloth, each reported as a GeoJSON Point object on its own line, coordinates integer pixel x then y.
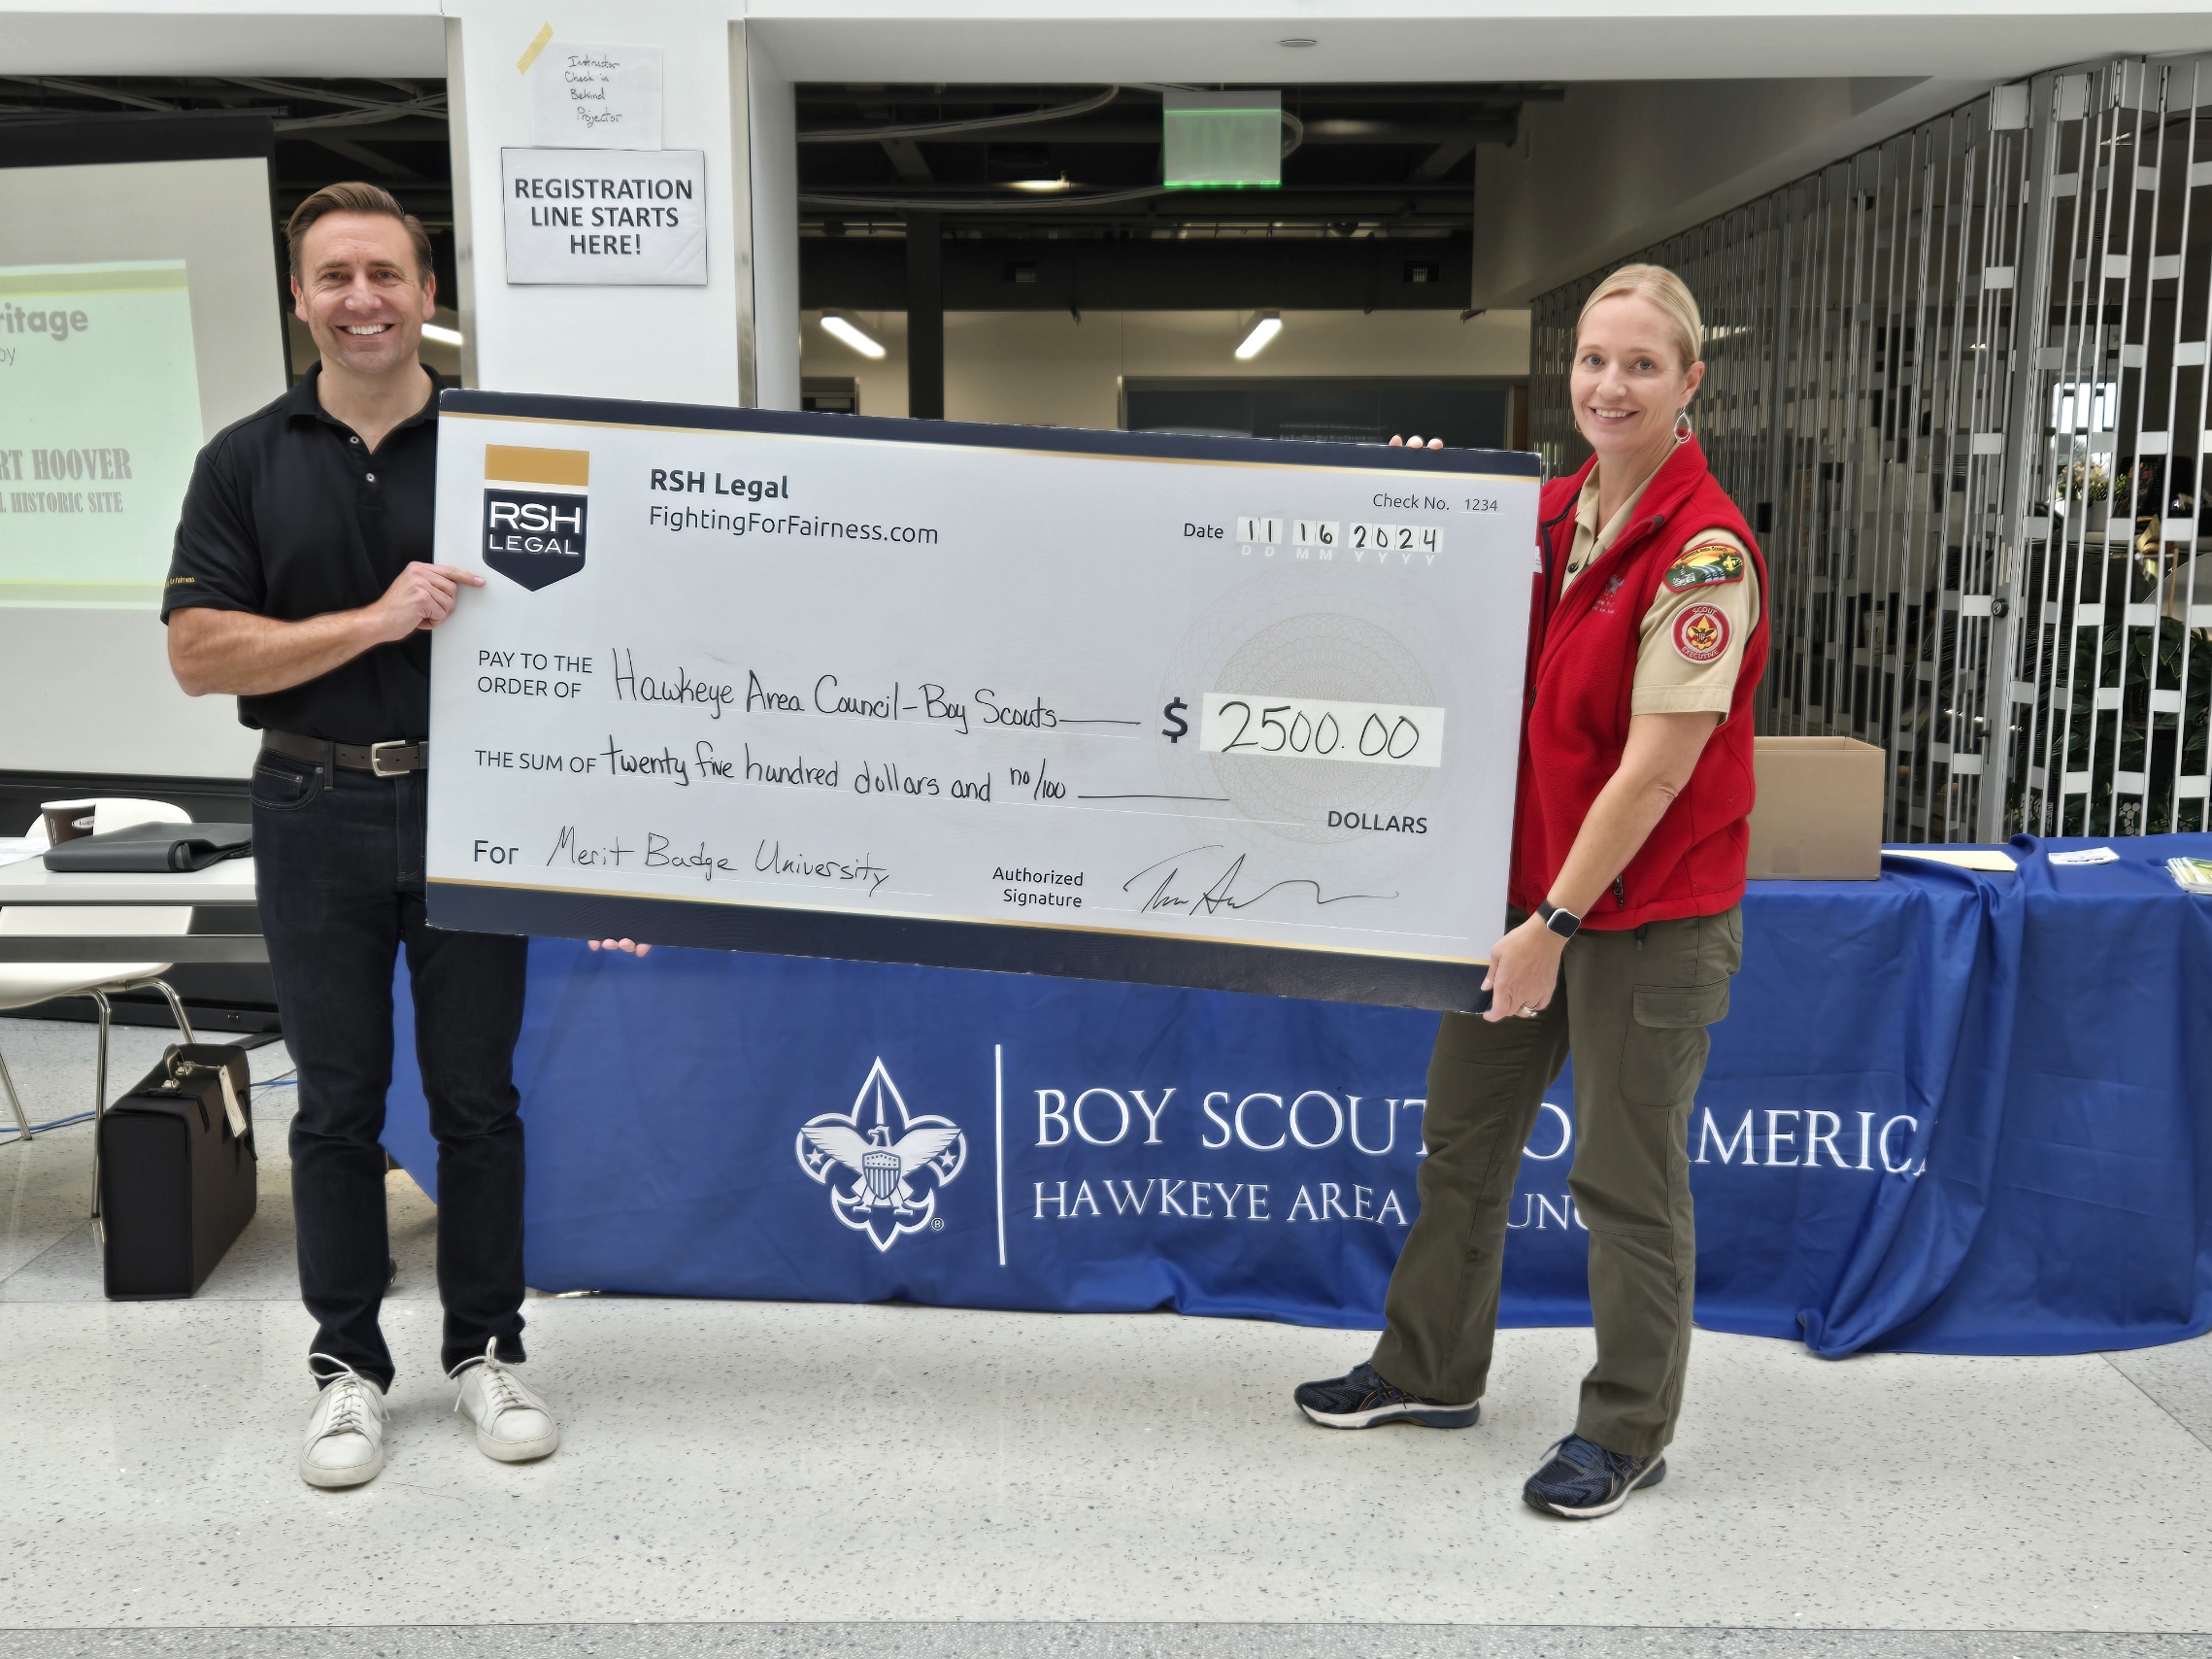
{"type": "Point", "coordinates": [1949, 1112]}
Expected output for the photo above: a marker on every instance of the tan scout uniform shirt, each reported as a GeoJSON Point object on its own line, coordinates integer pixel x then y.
{"type": "Point", "coordinates": [1685, 664]}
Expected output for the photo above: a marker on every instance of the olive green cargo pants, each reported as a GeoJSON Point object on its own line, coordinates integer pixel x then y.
{"type": "Point", "coordinates": [1631, 1008]}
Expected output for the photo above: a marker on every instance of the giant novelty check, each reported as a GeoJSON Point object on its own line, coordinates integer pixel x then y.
{"type": "Point", "coordinates": [1193, 711]}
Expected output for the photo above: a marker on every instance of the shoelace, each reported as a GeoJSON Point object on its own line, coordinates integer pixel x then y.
{"type": "Point", "coordinates": [502, 1393]}
{"type": "Point", "coordinates": [505, 1395]}
{"type": "Point", "coordinates": [1612, 1463]}
{"type": "Point", "coordinates": [348, 1398]}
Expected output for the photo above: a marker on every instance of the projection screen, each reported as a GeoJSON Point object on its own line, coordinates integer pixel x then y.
{"type": "Point", "coordinates": [138, 315]}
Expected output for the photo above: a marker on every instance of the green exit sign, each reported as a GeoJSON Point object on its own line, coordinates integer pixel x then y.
{"type": "Point", "coordinates": [1216, 140]}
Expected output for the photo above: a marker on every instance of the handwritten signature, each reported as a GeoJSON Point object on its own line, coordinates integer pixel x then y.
{"type": "Point", "coordinates": [1221, 893]}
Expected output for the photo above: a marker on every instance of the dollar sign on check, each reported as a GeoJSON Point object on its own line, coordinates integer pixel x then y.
{"type": "Point", "coordinates": [1174, 712]}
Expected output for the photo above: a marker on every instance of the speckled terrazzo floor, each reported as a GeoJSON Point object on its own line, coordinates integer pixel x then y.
{"type": "Point", "coordinates": [800, 1479]}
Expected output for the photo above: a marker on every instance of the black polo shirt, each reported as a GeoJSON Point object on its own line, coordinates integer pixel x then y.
{"type": "Point", "coordinates": [289, 516]}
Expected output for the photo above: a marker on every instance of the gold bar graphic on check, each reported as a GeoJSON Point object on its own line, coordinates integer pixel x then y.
{"type": "Point", "coordinates": [511, 463]}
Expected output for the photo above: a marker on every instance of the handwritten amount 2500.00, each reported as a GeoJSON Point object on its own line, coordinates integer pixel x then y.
{"type": "Point", "coordinates": [1315, 729]}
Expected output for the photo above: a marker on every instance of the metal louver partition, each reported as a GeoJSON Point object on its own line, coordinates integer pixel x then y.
{"type": "Point", "coordinates": [1959, 383]}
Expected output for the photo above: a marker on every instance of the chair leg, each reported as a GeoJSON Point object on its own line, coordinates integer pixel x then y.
{"type": "Point", "coordinates": [14, 1100]}
{"type": "Point", "coordinates": [175, 1009]}
{"type": "Point", "coordinates": [99, 1090]}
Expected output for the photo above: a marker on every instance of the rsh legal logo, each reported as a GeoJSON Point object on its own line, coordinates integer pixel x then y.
{"type": "Point", "coordinates": [534, 535]}
{"type": "Point", "coordinates": [882, 1182]}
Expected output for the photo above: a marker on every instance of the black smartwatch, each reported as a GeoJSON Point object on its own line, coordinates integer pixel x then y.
{"type": "Point", "coordinates": [1563, 922]}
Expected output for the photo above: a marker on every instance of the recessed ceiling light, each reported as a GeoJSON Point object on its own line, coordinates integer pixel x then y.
{"type": "Point", "coordinates": [1039, 185]}
{"type": "Point", "coordinates": [1268, 325]}
{"type": "Point", "coordinates": [841, 329]}
{"type": "Point", "coordinates": [1298, 40]}
{"type": "Point", "coordinates": [442, 335]}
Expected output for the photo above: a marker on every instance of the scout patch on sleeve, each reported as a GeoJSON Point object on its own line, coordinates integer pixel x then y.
{"type": "Point", "coordinates": [1701, 633]}
{"type": "Point", "coordinates": [1705, 566]}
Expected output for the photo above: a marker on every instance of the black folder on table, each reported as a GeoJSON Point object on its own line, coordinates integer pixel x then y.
{"type": "Point", "coordinates": [148, 849]}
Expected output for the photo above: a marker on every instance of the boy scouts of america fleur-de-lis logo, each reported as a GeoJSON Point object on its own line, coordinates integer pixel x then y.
{"type": "Point", "coordinates": [882, 1180]}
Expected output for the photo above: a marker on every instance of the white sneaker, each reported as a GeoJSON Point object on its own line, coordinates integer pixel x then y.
{"type": "Point", "coordinates": [513, 1423]}
{"type": "Point", "coordinates": [345, 1432]}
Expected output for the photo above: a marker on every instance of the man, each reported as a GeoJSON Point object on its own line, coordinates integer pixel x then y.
{"type": "Point", "coordinates": [302, 583]}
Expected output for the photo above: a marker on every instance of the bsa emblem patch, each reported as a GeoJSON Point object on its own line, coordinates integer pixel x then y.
{"type": "Point", "coordinates": [1706, 566]}
{"type": "Point", "coordinates": [1701, 633]}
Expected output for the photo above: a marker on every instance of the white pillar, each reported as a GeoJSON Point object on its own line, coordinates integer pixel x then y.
{"type": "Point", "coordinates": [678, 345]}
{"type": "Point", "coordinates": [775, 159]}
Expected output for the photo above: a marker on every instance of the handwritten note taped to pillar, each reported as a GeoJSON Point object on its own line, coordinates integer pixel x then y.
{"type": "Point", "coordinates": [1196, 711]}
{"type": "Point", "coordinates": [595, 97]}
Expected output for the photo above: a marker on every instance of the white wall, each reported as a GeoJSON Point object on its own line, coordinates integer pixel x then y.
{"type": "Point", "coordinates": [1458, 40]}
{"type": "Point", "coordinates": [775, 208]}
{"type": "Point", "coordinates": [676, 344]}
{"type": "Point", "coordinates": [1045, 368]}
{"type": "Point", "coordinates": [1144, 40]}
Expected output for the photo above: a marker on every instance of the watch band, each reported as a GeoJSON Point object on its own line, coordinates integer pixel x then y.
{"type": "Point", "coordinates": [1552, 916]}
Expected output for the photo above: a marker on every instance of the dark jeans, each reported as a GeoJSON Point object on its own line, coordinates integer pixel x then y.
{"type": "Point", "coordinates": [339, 861]}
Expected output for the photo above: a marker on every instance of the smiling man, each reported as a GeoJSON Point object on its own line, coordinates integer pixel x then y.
{"type": "Point", "coordinates": [303, 584]}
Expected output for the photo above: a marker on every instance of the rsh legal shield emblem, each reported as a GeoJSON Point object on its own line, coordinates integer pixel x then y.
{"type": "Point", "coordinates": [534, 535]}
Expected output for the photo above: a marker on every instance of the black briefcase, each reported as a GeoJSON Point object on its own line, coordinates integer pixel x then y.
{"type": "Point", "coordinates": [176, 1173]}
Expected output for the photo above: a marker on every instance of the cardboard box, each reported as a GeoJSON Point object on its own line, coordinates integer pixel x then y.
{"type": "Point", "coordinates": [1818, 814]}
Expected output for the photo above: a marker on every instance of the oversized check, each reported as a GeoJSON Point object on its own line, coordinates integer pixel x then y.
{"type": "Point", "coordinates": [1193, 711]}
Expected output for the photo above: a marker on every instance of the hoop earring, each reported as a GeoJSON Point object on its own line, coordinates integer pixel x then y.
{"type": "Point", "coordinates": [1684, 432]}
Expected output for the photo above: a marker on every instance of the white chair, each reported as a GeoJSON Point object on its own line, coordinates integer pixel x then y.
{"type": "Point", "coordinates": [23, 983]}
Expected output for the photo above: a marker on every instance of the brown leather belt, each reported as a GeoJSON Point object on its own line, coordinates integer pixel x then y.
{"type": "Point", "coordinates": [384, 760]}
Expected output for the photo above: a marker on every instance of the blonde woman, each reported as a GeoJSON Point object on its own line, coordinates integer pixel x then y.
{"type": "Point", "coordinates": [1647, 640]}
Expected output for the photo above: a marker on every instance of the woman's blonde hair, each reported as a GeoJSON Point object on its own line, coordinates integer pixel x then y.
{"type": "Point", "coordinates": [1664, 289]}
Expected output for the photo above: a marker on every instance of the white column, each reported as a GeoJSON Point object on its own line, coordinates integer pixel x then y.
{"type": "Point", "coordinates": [672, 344]}
{"type": "Point", "coordinates": [775, 157]}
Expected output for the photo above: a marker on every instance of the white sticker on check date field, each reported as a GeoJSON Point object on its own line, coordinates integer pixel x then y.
{"type": "Point", "coordinates": [1314, 728]}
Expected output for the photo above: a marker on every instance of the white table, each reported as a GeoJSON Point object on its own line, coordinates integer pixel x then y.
{"type": "Point", "coordinates": [228, 885]}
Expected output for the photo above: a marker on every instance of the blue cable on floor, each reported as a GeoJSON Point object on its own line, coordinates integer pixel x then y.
{"type": "Point", "coordinates": [42, 1128]}
{"type": "Point", "coordinates": [284, 1082]}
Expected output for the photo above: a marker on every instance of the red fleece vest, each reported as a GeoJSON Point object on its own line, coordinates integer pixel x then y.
{"type": "Point", "coordinates": [1581, 668]}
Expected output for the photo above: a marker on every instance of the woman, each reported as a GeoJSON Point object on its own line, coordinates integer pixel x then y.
{"type": "Point", "coordinates": [1647, 640]}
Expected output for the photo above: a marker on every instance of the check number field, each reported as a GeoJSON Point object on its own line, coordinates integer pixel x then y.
{"type": "Point", "coordinates": [1315, 729]}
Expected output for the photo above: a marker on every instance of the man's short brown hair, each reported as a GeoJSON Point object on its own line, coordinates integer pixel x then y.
{"type": "Point", "coordinates": [356, 198]}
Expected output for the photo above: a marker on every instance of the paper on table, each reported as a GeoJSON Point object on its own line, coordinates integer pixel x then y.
{"type": "Point", "coordinates": [2087, 856]}
{"type": "Point", "coordinates": [15, 849]}
{"type": "Point", "coordinates": [1959, 858]}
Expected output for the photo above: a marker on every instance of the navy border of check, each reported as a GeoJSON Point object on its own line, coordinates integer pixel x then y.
{"type": "Point", "coordinates": [996, 947]}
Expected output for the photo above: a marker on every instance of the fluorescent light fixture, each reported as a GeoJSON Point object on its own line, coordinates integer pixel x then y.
{"type": "Point", "coordinates": [1269, 324]}
{"type": "Point", "coordinates": [442, 334]}
{"type": "Point", "coordinates": [843, 329]}
{"type": "Point", "coordinates": [1040, 187]}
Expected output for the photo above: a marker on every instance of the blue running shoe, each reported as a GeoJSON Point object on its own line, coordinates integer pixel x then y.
{"type": "Point", "coordinates": [1360, 1400]}
{"type": "Point", "coordinates": [1582, 1481]}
